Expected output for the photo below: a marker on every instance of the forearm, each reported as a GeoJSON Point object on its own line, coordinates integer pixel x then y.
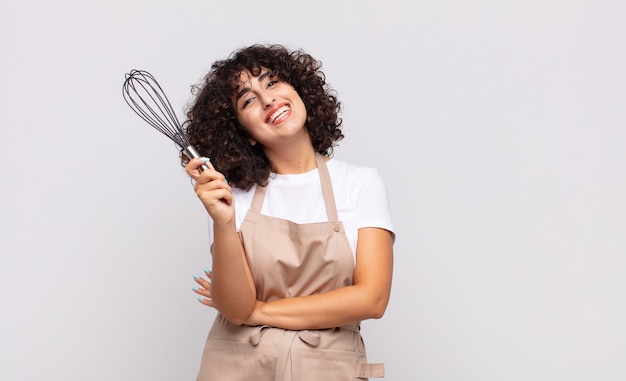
{"type": "Point", "coordinates": [366, 299]}
{"type": "Point", "coordinates": [232, 290]}
{"type": "Point", "coordinates": [335, 308]}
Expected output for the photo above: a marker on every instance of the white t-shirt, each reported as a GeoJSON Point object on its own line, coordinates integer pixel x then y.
{"type": "Point", "coordinates": [360, 195]}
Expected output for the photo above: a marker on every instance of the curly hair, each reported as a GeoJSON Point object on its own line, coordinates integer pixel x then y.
{"type": "Point", "coordinates": [212, 126]}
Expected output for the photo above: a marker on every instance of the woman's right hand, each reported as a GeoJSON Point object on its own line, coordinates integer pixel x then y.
{"type": "Point", "coordinates": [212, 189]}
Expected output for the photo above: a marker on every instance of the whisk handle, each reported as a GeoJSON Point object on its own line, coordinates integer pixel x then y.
{"type": "Point", "coordinates": [191, 153]}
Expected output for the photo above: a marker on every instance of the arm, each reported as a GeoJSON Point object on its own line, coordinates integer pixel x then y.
{"type": "Point", "coordinates": [232, 290]}
{"type": "Point", "coordinates": [366, 299]}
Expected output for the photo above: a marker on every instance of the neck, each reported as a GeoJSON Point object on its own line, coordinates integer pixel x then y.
{"type": "Point", "coordinates": [293, 161]}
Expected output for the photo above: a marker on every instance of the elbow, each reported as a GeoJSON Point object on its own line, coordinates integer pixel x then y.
{"type": "Point", "coordinates": [236, 318]}
{"type": "Point", "coordinates": [373, 301]}
{"type": "Point", "coordinates": [236, 314]}
{"type": "Point", "coordinates": [378, 307]}
{"type": "Point", "coordinates": [235, 321]}
{"type": "Point", "coordinates": [377, 312]}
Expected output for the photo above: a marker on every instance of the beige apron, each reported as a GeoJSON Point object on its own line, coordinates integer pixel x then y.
{"type": "Point", "coordinates": [286, 260]}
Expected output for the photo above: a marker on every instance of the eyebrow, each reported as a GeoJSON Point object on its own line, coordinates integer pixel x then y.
{"type": "Point", "coordinates": [260, 78]}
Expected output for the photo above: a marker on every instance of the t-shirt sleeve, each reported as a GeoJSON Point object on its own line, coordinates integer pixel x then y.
{"type": "Point", "coordinates": [372, 201]}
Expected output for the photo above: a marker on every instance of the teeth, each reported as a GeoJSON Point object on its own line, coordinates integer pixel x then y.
{"type": "Point", "coordinates": [277, 113]}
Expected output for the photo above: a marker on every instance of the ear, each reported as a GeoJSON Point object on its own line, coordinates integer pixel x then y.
{"type": "Point", "coordinates": [252, 142]}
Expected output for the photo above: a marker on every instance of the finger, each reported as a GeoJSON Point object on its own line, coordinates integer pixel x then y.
{"type": "Point", "coordinates": [211, 194]}
{"type": "Point", "coordinates": [206, 164]}
{"type": "Point", "coordinates": [212, 176]}
{"type": "Point", "coordinates": [202, 282]}
{"type": "Point", "coordinates": [195, 166]}
{"type": "Point", "coordinates": [192, 167]}
{"type": "Point", "coordinates": [202, 291]}
{"type": "Point", "coordinates": [206, 302]}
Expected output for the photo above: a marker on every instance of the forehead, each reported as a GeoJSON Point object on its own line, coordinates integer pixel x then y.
{"type": "Point", "coordinates": [246, 76]}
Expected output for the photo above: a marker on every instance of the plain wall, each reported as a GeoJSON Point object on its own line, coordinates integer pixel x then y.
{"type": "Point", "coordinates": [499, 127]}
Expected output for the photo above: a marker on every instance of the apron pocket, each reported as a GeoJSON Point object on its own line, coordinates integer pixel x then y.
{"type": "Point", "coordinates": [235, 361]}
{"type": "Point", "coordinates": [324, 364]}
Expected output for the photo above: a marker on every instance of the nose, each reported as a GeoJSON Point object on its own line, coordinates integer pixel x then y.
{"type": "Point", "coordinates": [268, 100]}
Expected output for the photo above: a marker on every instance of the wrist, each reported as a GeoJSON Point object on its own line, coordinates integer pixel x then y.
{"type": "Point", "coordinates": [256, 316]}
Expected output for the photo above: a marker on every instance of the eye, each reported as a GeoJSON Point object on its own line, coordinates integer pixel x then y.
{"type": "Point", "coordinates": [272, 82]}
{"type": "Point", "coordinates": [246, 102]}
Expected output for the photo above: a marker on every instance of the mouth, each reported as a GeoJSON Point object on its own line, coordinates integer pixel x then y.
{"type": "Point", "coordinates": [278, 114]}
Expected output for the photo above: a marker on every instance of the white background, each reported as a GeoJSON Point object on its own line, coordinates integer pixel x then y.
{"type": "Point", "coordinates": [499, 127]}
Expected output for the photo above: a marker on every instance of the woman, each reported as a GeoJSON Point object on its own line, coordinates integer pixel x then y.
{"type": "Point", "coordinates": [302, 244]}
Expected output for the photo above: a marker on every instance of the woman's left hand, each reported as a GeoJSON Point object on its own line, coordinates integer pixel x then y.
{"type": "Point", "coordinates": [204, 289]}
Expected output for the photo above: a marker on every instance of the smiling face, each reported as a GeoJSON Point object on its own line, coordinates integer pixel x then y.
{"type": "Point", "coordinates": [270, 110]}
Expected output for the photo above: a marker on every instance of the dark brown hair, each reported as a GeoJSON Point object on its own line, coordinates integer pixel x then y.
{"type": "Point", "coordinates": [212, 126]}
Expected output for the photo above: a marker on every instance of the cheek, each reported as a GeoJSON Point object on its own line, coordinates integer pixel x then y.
{"type": "Point", "coordinates": [304, 112]}
{"type": "Point", "coordinates": [244, 122]}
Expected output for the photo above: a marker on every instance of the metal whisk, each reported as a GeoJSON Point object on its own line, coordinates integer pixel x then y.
{"type": "Point", "coordinates": [148, 100]}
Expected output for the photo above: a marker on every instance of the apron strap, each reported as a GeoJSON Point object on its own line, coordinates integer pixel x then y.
{"type": "Point", "coordinates": [327, 189]}
{"type": "Point", "coordinates": [370, 370]}
{"type": "Point", "coordinates": [257, 199]}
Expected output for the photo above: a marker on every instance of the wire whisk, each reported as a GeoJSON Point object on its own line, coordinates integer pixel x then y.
{"type": "Point", "coordinates": [145, 96]}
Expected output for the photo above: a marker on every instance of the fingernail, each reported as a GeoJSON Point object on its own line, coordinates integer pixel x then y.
{"type": "Point", "coordinates": [205, 159]}
{"type": "Point", "coordinates": [200, 300]}
{"type": "Point", "coordinates": [195, 289]}
{"type": "Point", "coordinates": [208, 271]}
{"type": "Point", "coordinates": [196, 276]}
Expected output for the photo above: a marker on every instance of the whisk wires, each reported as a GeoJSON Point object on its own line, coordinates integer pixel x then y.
{"type": "Point", "coordinates": [148, 100]}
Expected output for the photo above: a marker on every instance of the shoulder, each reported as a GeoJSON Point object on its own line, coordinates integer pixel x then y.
{"type": "Point", "coordinates": [353, 176]}
{"type": "Point", "coordinates": [351, 171]}
{"type": "Point", "coordinates": [362, 190]}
